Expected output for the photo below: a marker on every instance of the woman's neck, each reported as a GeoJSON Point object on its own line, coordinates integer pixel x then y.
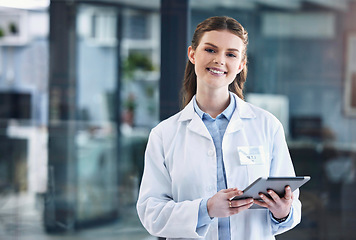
{"type": "Point", "coordinates": [213, 103]}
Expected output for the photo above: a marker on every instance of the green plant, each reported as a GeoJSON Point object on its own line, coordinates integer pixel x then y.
{"type": "Point", "coordinates": [13, 28]}
{"type": "Point", "coordinates": [130, 102]}
{"type": "Point", "coordinates": [2, 33]}
{"type": "Point", "coordinates": [137, 61]}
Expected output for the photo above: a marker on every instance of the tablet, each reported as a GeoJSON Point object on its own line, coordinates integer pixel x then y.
{"type": "Point", "coordinates": [278, 184]}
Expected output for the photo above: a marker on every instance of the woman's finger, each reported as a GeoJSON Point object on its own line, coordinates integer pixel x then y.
{"type": "Point", "coordinates": [267, 200]}
{"type": "Point", "coordinates": [234, 193]}
{"type": "Point", "coordinates": [228, 190]}
{"type": "Point", "coordinates": [240, 209]}
{"type": "Point", "coordinates": [274, 195]}
{"type": "Point", "coordinates": [242, 202]}
{"type": "Point", "coordinates": [288, 195]}
{"type": "Point", "coordinates": [260, 203]}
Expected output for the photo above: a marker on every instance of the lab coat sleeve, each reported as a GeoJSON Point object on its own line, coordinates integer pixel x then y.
{"type": "Point", "coordinates": [158, 212]}
{"type": "Point", "coordinates": [281, 165]}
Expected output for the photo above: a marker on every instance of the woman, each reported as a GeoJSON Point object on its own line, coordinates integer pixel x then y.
{"type": "Point", "coordinates": [193, 164]}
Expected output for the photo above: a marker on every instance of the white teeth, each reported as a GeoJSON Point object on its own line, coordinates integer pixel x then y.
{"type": "Point", "coordinates": [215, 71]}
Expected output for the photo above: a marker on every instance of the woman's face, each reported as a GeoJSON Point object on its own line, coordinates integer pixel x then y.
{"type": "Point", "coordinates": [217, 59]}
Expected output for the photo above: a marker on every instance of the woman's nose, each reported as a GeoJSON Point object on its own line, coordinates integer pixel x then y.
{"type": "Point", "coordinates": [219, 60]}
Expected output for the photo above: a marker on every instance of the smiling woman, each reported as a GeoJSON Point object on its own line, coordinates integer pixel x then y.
{"type": "Point", "coordinates": [192, 164]}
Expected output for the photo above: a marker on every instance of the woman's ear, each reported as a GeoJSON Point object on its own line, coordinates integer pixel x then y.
{"type": "Point", "coordinates": [242, 65]}
{"type": "Point", "coordinates": [191, 55]}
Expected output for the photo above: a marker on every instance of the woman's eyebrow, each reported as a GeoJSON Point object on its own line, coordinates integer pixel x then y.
{"type": "Point", "coordinates": [229, 49]}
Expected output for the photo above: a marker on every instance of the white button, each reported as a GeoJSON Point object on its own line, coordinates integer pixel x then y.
{"type": "Point", "coordinates": [211, 152]}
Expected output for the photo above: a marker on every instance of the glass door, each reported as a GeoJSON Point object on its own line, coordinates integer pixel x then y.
{"type": "Point", "coordinates": [97, 144]}
{"type": "Point", "coordinates": [97, 125]}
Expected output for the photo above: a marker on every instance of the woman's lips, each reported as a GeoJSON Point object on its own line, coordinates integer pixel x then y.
{"type": "Point", "coordinates": [216, 71]}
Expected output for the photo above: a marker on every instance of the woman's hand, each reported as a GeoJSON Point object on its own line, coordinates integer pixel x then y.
{"type": "Point", "coordinates": [280, 207]}
{"type": "Point", "coordinates": [220, 205]}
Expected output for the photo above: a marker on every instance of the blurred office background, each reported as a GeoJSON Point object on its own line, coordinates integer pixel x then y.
{"type": "Point", "coordinates": [82, 82]}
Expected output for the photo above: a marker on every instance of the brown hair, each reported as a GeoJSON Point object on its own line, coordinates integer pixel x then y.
{"type": "Point", "coordinates": [215, 23]}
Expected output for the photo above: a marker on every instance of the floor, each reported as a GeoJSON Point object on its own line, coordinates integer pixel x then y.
{"type": "Point", "coordinates": [21, 219]}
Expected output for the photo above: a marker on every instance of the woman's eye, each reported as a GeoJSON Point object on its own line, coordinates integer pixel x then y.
{"type": "Point", "coordinates": [209, 50]}
{"type": "Point", "coordinates": [231, 55]}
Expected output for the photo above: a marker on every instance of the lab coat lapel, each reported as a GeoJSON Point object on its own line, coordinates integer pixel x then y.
{"type": "Point", "coordinates": [242, 110]}
{"type": "Point", "coordinates": [235, 124]}
{"type": "Point", "coordinates": [195, 124]}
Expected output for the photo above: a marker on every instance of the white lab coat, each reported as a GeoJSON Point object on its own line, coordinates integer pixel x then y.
{"type": "Point", "coordinates": [180, 170]}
